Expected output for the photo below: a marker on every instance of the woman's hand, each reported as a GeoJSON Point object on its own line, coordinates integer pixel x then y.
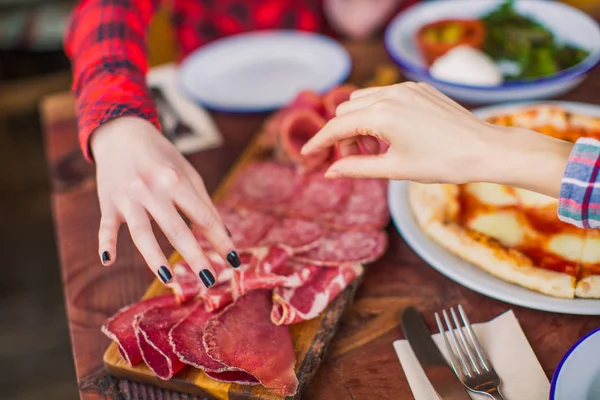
{"type": "Point", "coordinates": [434, 140]}
{"type": "Point", "coordinates": [141, 175]}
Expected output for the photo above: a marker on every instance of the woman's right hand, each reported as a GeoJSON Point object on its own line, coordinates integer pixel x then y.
{"type": "Point", "coordinates": [141, 175]}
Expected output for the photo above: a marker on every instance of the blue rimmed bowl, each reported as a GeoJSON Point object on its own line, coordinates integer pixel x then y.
{"type": "Point", "coordinates": [569, 25]}
{"type": "Point", "coordinates": [577, 376]}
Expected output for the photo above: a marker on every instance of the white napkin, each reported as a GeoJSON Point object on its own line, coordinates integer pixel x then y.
{"type": "Point", "coordinates": [206, 134]}
{"type": "Point", "coordinates": [509, 352]}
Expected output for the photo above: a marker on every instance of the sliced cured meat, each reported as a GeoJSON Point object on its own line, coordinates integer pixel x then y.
{"type": "Point", "coordinates": [293, 305]}
{"type": "Point", "coordinates": [239, 377]}
{"type": "Point", "coordinates": [152, 332]}
{"type": "Point", "coordinates": [217, 297]}
{"type": "Point", "coordinates": [366, 208]}
{"type": "Point", "coordinates": [274, 270]}
{"type": "Point", "coordinates": [335, 97]}
{"type": "Point", "coordinates": [186, 341]}
{"type": "Point", "coordinates": [320, 195]}
{"type": "Point", "coordinates": [262, 185]}
{"type": "Point", "coordinates": [247, 227]}
{"type": "Point", "coordinates": [349, 246]}
{"type": "Point", "coordinates": [120, 327]}
{"type": "Point", "coordinates": [297, 128]}
{"type": "Point", "coordinates": [296, 233]}
{"type": "Point", "coordinates": [187, 285]}
{"type": "Point", "coordinates": [307, 100]}
{"type": "Point", "coordinates": [244, 337]}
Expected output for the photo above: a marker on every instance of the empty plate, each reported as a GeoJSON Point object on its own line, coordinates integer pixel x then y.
{"type": "Point", "coordinates": [263, 70]}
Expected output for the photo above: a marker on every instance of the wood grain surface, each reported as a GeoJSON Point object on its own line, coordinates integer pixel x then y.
{"type": "Point", "coordinates": [360, 363]}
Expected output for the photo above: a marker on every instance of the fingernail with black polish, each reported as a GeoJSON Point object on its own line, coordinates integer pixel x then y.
{"type": "Point", "coordinates": [164, 274]}
{"type": "Point", "coordinates": [207, 278]}
{"type": "Point", "coordinates": [228, 233]}
{"type": "Point", "coordinates": [105, 257]}
{"type": "Point", "coordinates": [233, 259]}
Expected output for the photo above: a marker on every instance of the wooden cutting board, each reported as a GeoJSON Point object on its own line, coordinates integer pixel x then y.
{"type": "Point", "coordinates": [310, 338]}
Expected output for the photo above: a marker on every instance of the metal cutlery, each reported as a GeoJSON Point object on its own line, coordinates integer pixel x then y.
{"type": "Point", "coordinates": [467, 357]}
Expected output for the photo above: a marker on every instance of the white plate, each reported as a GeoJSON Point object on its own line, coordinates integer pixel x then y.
{"type": "Point", "coordinates": [262, 71]}
{"type": "Point", "coordinates": [569, 25]}
{"type": "Point", "coordinates": [467, 274]}
{"type": "Point", "coordinates": [578, 373]}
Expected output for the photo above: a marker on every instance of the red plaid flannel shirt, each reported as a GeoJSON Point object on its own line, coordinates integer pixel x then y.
{"type": "Point", "coordinates": [106, 42]}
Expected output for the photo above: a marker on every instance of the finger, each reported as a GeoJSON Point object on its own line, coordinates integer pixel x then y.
{"type": "Point", "coordinates": [348, 147]}
{"type": "Point", "coordinates": [180, 236]}
{"type": "Point", "coordinates": [365, 92]}
{"type": "Point", "coordinates": [107, 235]}
{"type": "Point", "coordinates": [143, 237]}
{"type": "Point", "coordinates": [376, 166]}
{"type": "Point", "coordinates": [206, 219]}
{"type": "Point", "coordinates": [343, 127]}
{"type": "Point", "coordinates": [368, 145]}
{"type": "Point", "coordinates": [351, 106]}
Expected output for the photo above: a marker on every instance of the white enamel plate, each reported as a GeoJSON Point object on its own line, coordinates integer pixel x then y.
{"type": "Point", "coordinates": [467, 274]}
{"type": "Point", "coordinates": [262, 71]}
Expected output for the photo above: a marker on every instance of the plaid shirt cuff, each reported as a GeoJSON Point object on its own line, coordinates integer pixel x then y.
{"type": "Point", "coordinates": [579, 202]}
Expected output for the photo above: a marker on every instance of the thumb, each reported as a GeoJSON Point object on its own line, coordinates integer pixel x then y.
{"type": "Point", "coordinates": [363, 166]}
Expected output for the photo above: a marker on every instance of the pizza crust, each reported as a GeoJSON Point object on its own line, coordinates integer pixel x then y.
{"type": "Point", "coordinates": [588, 287]}
{"type": "Point", "coordinates": [432, 203]}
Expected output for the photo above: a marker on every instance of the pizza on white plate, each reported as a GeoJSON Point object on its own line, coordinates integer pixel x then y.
{"type": "Point", "coordinates": [515, 234]}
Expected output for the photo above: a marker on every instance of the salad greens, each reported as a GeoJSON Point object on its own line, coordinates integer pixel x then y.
{"type": "Point", "coordinates": [533, 47]}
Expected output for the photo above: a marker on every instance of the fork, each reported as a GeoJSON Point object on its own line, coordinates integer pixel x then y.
{"type": "Point", "coordinates": [467, 357]}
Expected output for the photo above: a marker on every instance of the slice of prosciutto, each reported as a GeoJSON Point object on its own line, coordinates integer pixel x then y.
{"type": "Point", "coordinates": [346, 246]}
{"type": "Point", "coordinates": [366, 208]}
{"type": "Point", "coordinates": [152, 332]}
{"type": "Point", "coordinates": [264, 185]}
{"type": "Point", "coordinates": [293, 305]}
{"type": "Point", "coordinates": [320, 196]}
{"type": "Point", "coordinates": [187, 285]}
{"type": "Point", "coordinates": [335, 97]}
{"type": "Point", "coordinates": [247, 227]}
{"type": "Point", "coordinates": [297, 128]}
{"type": "Point", "coordinates": [271, 270]}
{"type": "Point", "coordinates": [296, 233]}
{"type": "Point", "coordinates": [217, 297]}
{"type": "Point", "coordinates": [244, 337]}
{"type": "Point", "coordinates": [120, 327]}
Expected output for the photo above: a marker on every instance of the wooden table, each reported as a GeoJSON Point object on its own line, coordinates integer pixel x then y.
{"type": "Point", "coordinates": [361, 363]}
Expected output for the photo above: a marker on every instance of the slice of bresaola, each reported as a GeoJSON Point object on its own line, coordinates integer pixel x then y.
{"type": "Point", "coordinates": [293, 305]}
{"type": "Point", "coordinates": [271, 269]}
{"type": "Point", "coordinates": [239, 377]}
{"type": "Point", "coordinates": [242, 336]}
{"type": "Point", "coordinates": [152, 332]}
{"type": "Point", "coordinates": [346, 246]}
{"type": "Point", "coordinates": [120, 327]}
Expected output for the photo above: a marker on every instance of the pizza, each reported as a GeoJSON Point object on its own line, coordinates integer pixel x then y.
{"type": "Point", "coordinates": [511, 233]}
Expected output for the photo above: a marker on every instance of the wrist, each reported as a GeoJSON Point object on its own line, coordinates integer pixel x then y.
{"type": "Point", "coordinates": [110, 135]}
{"type": "Point", "coordinates": [525, 159]}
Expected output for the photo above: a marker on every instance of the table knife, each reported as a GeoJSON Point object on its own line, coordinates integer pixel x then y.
{"type": "Point", "coordinates": [442, 378]}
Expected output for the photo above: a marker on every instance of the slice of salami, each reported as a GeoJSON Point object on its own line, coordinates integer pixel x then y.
{"type": "Point", "coordinates": [152, 332]}
{"type": "Point", "coordinates": [243, 336]}
{"type": "Point", "coordinates": [298, 234]}
{"type": "Point", "coordinates": [320, 196]}
{"type": "Point", "coordinates": [366, 208]}
{"type": "Point", "coordinates": [335, 97]}
{"type": "Point", "coordinates": [120, 327]}
{"type": "Point", "coordinates": [297, 128]}
{"type": "Point", "coordinates": [343, 247]}
{"type": "Point", "coordinates": [247, 227]}
{"type": "Point", "coordinates": [293, 305]}
{"type": "Point", "coordinates": [263, 185]}
{"type": "Point", "coordinates": [239, 377]}
{"type": "Point", "coordinates": [186, 340]}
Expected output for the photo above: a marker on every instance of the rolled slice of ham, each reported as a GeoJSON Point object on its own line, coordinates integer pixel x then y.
{"type": "Point", "coordinates": [320, 196]}
{"type": "Point", "coordinates": [335, 97]}
{"type": "Point", "coordinates": [297, 128]}
{"type": "Point", "coordinates": [152, 332]}
{"type": "Point", "coordinates": [346, 246]}
{"type": "Point", "coordinates": [247, 227]}
{"type": "Point", "coordinates": [296, 233]}
{"type": "Point", "coordinates": [366, 208]}
{"type": "Point", "coordinates": [120, 327]}
{"type": "Point", "coordinates": [243, 336]}
{"type": "Point", "coordinates": [293, 305]}
{"type": "Point", "coordinates": [264, 185]}
{"type": "Point", "coordinates": [271, 270]}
